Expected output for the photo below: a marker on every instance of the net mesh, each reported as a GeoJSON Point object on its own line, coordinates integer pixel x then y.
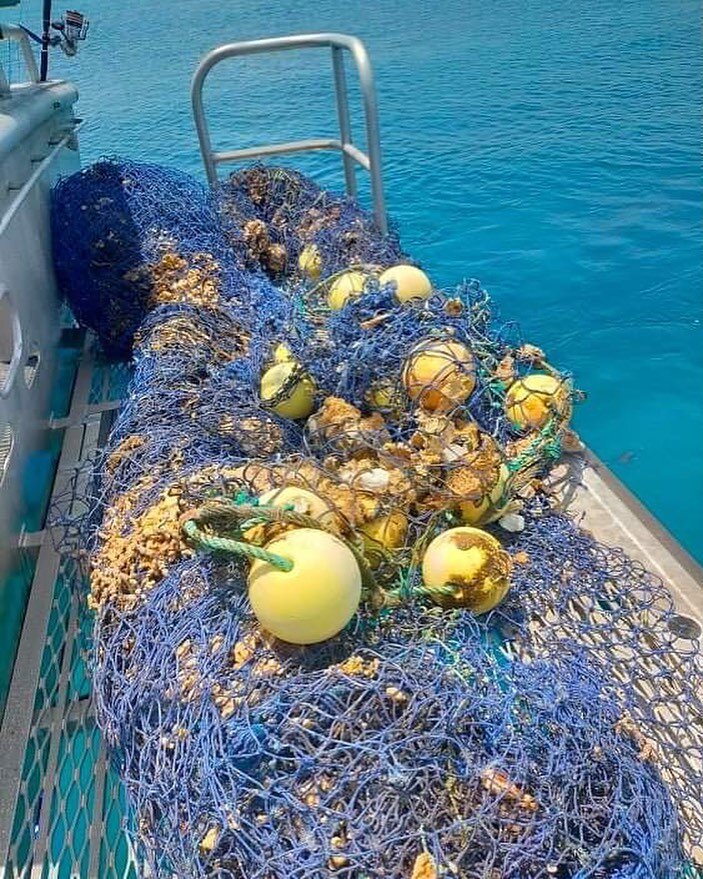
{"type": "Point", "coordinates": [272, 215]}
{"type": "Point", "coordinates": [130, 236]}
{"type": "Point", "coordinates": [526, 712]}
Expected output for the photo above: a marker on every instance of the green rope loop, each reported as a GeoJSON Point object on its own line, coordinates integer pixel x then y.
{"type": "Point", "coordinates": [225, 517]}
{"type": "Point", "coordinates": [547, 441]}
{"type": "Point", "coordinates": [215, 543]}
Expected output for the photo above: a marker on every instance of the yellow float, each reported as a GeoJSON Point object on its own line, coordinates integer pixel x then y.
{"type": "Point", "coordinates": [347, 286]}
{"type": "Point", "coordinates": [474, 566]}
{"type": "Point", "coordinates": [531, 401]}
{"type": "Point", "coordinates": [439, 374]}
{"type": "Point", "coordinates": [384, 394]}
{"type": "Point", "coordinates": [301, 500]}
{"type": "Point", "coordinates": [298, 400]}
{"type": "Point", "coordinates": [384, 533]}
{"type": "Point", "coordinates": [479, 511]}
{"type": "Point", "coordinates": [316, 598]}
{"type": "Point", "coordinates": [282, 354]}
{"type": "Point", "coordinates": [410, 282]}
{"type": "Point", "coordinates": [310, 262]}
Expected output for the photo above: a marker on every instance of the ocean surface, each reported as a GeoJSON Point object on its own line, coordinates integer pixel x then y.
{"type": "Point", "coordinates": [550, 148]}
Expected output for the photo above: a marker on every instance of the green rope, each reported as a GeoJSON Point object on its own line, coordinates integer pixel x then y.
{"type": "Point", "coordinates": [548, 440]}
{"type": "Point", "coordinates": [224, 515]}
{"type": "Point", "coordinates": [215, 543]}
{"type": "Point", "coordinates": [395, 597]}
{"type": "Point", "coordinates": [407, 590]}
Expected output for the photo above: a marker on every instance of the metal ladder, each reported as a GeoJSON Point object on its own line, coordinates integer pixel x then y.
{"type": "Point", "coordinates": [351, 154]}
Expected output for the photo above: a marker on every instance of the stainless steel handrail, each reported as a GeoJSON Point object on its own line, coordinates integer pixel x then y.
{"type": "Point", "coordinates": [67, 140]}
{"type": "Point", "coordinates": [17, 35]}
{"type": "Point", "coordinates": [351, 155]}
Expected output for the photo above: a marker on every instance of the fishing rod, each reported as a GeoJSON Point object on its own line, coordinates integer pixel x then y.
{"type": "Point", "coordinates": [71, 29]}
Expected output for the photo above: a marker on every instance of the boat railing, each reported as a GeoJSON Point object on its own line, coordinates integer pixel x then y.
{"type": "Point", "coordinates": [13, 33]}
{"type": "Point", "coordinates": [351, 154]}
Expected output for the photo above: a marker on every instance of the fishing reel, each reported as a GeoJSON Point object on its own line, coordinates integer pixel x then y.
{"type": "Point", "coordinates": [72, 29]}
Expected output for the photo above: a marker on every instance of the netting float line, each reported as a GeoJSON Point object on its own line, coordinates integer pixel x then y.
{"type": "Point", "coordinates": [341, 625]}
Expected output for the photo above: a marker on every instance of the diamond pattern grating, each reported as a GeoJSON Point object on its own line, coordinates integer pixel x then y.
{"type": "Point", "coordinates": [69, 815]}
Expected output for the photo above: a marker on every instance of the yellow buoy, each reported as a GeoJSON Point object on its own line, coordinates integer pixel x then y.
{"type": "Point", "coordinates": [298, 398]}
{"type": "Point", "coordinates": [384, 394]}
{"type": "Point", "coordinates": [531, 401]}
{"type": "Point", "coordinates": [473, 563]}
{"type": "Point", "coordinates": [310, 262]}
{"type": "Point", "coordinates": [301, 500]}
{"type": "Point", "coordinates": [384, 533]}
{"type": "Point", "coordinates": [439, 374]}
{"type": "Point", "coordinates": [478, 511]}
{"type": "Point", "coordinates": [282, 354]}
{"type": "Point", "coordinates": [410, 282]}
{"type": "Point", "coordinates": [347, 286]}
{"type": "Point", "coordinates": [315, 599]}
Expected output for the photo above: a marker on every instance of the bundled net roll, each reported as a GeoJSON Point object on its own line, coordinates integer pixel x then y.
{"type": "Point", "coordinates": [129, 236]}
{"type": "Point", "coordinates": [342, 626]}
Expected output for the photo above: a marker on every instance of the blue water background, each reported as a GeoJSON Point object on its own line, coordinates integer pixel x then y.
{"type": "Point", "coordinates": [551, 148]}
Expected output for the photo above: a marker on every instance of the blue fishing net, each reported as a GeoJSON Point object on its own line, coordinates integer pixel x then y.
{"type": "Point", "coordinates": [128, 236]}
{"type": "Point", "coordinates": [370, 339]}
{"type": "Point", "coordinates": [271, 215]}
{"type": "Point", "coordinates": [359, 756]}
{"type": "Point", "coordinates": [556, 734]}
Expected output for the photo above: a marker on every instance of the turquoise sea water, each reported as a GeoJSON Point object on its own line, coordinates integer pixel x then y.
{"type": "Point", "coordinates": [550, 148]}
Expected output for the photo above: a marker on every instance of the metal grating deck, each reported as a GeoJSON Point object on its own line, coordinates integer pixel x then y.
{"type": "Point", "coordinates": [61, 807]}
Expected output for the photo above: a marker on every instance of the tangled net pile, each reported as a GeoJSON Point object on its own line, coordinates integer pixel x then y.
{"type": "Point", "coordinates": [442, 731]}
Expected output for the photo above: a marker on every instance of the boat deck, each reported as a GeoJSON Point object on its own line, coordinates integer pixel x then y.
{"type": "Point", "coordinates": [588, 489]}
{"type": "Point", "coordinates": [61, 806]}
